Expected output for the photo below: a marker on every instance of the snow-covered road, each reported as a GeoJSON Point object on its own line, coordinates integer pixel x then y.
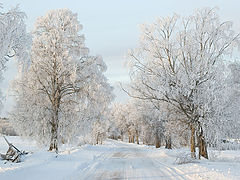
{"type": "Point", "coordinates": [116, 160]}
{"type": "Point", "coordinates": [128, 161]}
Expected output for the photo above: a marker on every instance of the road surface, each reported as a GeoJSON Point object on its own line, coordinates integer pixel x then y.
{"type": "Point", "coordinates": [128, 161]}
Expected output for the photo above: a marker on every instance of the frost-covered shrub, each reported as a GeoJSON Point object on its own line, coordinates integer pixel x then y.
{"type": "Point", "coordinates": [213, 155]}
{"type": "Point", "coordinates": [229, 146]}
{"type": "Point", "coordinates": [184, 158]}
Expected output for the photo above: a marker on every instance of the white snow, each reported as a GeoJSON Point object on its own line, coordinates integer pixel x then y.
{"type": "Point", "coordinates": [115, 160]}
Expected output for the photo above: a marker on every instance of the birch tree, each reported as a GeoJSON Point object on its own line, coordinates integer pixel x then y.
{"type": "Point", "coordinates": [64, 87]}
{"type": "Point", "coordinates": [14, 40]}
{"type": "Point", "coordinates": [176, 63]}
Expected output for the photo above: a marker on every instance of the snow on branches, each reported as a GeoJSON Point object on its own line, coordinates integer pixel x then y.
{"type": "Point", "coordinates": [14, 40]}
{"type": "Point", "coordinates": [64, 86]}
{"type": "Point", "coordinates": [178, 61]}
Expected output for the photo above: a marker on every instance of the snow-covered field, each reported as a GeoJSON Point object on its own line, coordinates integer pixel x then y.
{"type": "Point", "coordinates": [115, 160]}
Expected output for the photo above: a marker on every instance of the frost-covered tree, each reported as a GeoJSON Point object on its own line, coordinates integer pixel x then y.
{"type": "Point", "coordinates": [151, 121]}
{"type": "Point", "coordinates": [140, 121]}
{"type": "Point", "coordinates": [99, 131]}
{"type": "Point", "coordinates": [133, 121]}
{"type": "Point", "coordinates": [228, 102]}
{"type": "Point", "coordinates": [223, 121]}
{"type": "Point", "coordinates": [14, 40]}
{"type": "Point", "coordinates": [126, 120]}
{"type": "Point", "coordinates": [176, 63]}
{"type": "Point", "coordinates": [119, 117]}
{"type": "Point", "coordinates": [64, 88]}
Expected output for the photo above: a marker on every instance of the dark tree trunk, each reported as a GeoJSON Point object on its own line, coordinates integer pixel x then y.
{"type": "Point", "coordinates": [168, 142]}
{"type": "Point", "coordinates": [97, 138]}
{"type": "Point", "coordinates": [157, 141]}
{"type": "Point", "coordinates": [55, 100]}
{"type": "Point", "coordinates": [101, 140]}
{"type": "Point", "coordinates": [192, 142]}
{"type": "Point", "coordinates": [137, 137]}
{"type": "Point", "coordinates": [202, 145]}
{"type": "Point", "coordinates": [54, 138]}
{"type": "Point", "coordinates": [129, 137]}
{"type": "Point", "coordinates": [54, 130]}
{"type": "Point", "coordinates": [132, 139]}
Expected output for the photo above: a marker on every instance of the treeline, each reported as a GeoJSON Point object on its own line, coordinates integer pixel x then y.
{"type": "Point", "coordinates": [184, 85]}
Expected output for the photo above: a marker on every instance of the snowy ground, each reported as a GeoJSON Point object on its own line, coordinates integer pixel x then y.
{"type": "Point", "coordinates": [115, 160]}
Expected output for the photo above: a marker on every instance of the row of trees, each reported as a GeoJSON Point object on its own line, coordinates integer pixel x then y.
{"type": "Point", "coordinates": [61, 92]}
{"type": "Point", "coordinates": [184, 82]}
{"type": "Point", "coordinates": [184, 86]}
{"type": "Point", "coordinates": [138, 120]}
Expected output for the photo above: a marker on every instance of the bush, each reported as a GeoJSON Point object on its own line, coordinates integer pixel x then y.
{"type": "Point", "coordinates": [184, 158]}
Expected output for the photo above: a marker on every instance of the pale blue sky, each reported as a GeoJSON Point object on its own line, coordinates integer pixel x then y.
{"type": "Point", "coordinates": [111, 26]}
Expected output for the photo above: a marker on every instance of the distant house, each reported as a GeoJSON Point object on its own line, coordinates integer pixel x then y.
{"type": "Point", "coordinates": [6, 128]}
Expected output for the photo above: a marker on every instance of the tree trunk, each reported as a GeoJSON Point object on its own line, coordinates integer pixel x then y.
{"type": "Point", "coordinates": [54, 138]}
{"type": "Point", "coordinates": [137, 137]}
{"type": "Point", "coordinates": [157, 141]}
{"type": "Point", "coordinates": [97, 138]}
{"type": "Point", "coordinates": [168, 142]}
{"type": "Point", "coordinates": [54, 128]}
{"type": "Point", "coordinates": [202, 146]}
{"type": "Point", "coordinates": [101, 140]}
{"type": "Point", "coordinates": [132, 139]}
{"type": "Point", "coordinates": [193, 149]}
{"type": "Point", "coordinates": [129, 137]}
{"type": "Point", "coordinates": [121, 136]}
